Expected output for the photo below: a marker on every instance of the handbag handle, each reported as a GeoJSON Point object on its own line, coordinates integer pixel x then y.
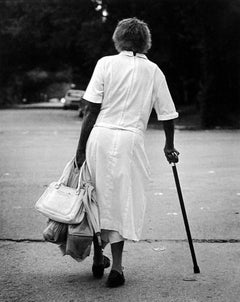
{"type": "Point", "coordinates": [80, 180]}
{"type": "Point", "coordinates": [67, 171]}
{"type": "Point", "coordinates": [84, 176]}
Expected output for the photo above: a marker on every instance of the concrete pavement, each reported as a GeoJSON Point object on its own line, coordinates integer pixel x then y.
{"type": "Point", "coordinates": [158, 271]}
{"type": "Point", "coordinates": [35, 145]}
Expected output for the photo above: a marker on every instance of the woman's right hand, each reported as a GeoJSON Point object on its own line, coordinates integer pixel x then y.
{"type": "Point", "coordinates": [80, 158]}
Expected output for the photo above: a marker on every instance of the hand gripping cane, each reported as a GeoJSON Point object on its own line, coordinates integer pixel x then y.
{"type": "Point", "coordinates": [195, 265]}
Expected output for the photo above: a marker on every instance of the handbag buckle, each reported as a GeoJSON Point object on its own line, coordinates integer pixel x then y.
{"type": "Point", "coordinates": [57, 185]}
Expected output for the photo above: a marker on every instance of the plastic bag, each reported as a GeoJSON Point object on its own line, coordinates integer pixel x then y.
{"type": "Point", "coordinates": [55, 232]}
{"type": "Point", "coordinates": [79, 240]}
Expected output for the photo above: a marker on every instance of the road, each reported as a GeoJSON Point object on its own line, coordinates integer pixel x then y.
{"type": "Point", "coordinates": [35, 146]}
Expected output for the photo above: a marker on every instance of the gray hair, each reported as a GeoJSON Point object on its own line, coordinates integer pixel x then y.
{"type": "Point", "coordinates": [132, 34]}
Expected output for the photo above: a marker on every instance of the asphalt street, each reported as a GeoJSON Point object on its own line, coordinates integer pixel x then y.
{"type": "Point", "coordinates": [36, 145]}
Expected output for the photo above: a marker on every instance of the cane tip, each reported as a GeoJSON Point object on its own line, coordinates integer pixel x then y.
{"type": "Point", "coordinates": [196, 270]}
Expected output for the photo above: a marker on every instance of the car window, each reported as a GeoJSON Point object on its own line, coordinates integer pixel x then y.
{"type": "Point", "coordinates": [75, 93]}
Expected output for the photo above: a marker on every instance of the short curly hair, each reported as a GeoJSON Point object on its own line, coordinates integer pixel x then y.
{"type": "Point", "coordinates": [132, 34]}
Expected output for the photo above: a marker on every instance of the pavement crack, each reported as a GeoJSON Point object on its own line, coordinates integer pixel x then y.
{"type": "Point", "coordinates": [30, 240]}
{"type": "Point", "coordinates": [21, 240]}
{"type": "Point", "coordinates": [194, 240]}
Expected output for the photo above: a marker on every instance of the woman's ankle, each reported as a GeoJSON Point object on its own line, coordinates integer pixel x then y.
{"type": "Point", "coordinates": [117, 251]}
{"type": "Point", "coordinates": [98, 256]}
{"type": "Point", "coordinates": [118, 268]}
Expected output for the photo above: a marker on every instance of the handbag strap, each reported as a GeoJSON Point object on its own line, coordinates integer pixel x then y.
{"type": "Point", "coordinates": [84, 176]}
{"type": "Point", "coordinates": [80, 180]}
{"type": "Point", "coordinates": [66, 171]}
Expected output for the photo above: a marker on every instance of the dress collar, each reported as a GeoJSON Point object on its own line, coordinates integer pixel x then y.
{"type": "Point", "coordinates": [130, 54]}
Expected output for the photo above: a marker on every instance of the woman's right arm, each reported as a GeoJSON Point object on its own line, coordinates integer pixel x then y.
{"type": "Point", "coordinates": [91, 112]}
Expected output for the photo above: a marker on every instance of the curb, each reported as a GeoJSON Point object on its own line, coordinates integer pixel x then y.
{"type": "Point", "coordinates": [39, 106]}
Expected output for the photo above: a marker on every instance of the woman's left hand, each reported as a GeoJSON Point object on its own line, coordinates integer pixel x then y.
{"type": "Point", "coordinates": [171, 155]}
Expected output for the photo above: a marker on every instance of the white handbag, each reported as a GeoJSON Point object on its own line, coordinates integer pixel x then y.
{"type": "Point", "coordinates": [63, 203]}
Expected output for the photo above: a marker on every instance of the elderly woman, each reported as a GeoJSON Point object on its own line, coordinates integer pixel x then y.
{"type": "Point", "coordinates": [120, 96]}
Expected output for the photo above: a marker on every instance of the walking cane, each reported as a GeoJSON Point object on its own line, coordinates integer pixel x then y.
{"type": "Point", "coordinates": [195, 265]}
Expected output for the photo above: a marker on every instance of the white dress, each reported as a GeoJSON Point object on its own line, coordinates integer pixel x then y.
{"type": "Point", "coordinates": [128, 87]}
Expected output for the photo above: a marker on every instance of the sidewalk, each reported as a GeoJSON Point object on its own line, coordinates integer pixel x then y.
{"type": "Point", "coordinates": [157, 271]}
{"type": "Point", "coordinates": [36, 144]}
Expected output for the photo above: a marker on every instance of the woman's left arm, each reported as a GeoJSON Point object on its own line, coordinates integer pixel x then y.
{"type": "Point", "coordinates": [170, 152]}
{"type": "Point", "coordinates": [90, 116]}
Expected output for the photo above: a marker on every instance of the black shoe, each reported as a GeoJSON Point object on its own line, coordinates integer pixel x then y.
{"type": "Point", "coordinates": [98, 269]}
{"type": "Point", "coordinates": [115, 279]}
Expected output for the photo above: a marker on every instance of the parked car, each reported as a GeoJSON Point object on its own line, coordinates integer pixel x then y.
{"type": "Point", "coordinates": [72, 99]}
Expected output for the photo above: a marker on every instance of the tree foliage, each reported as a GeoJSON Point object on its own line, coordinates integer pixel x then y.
{"type": "Point", "coordinates": [195, 43]}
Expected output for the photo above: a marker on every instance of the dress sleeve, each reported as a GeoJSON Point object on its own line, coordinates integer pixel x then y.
{"type": "Point", "coordinates": [163, 103]}
{"type": "Point", "coordinates": [95, 90]}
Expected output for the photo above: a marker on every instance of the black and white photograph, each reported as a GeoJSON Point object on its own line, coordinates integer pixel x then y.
{"type": "Point", "coordinates": [119, 150]}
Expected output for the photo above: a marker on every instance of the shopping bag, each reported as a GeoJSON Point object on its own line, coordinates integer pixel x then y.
{"type": "Point", "coordinates": [79, 240]}
{"type": "Point", "coordinates": [62, 200]}
{"type": "Point", "coordinates": [55, 232]}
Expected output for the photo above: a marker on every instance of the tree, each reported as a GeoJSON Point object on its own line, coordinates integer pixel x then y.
{"type": "Point", "coordinates": [195, 43]}
{"type": "Point", "coordinates": [219, 96]}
